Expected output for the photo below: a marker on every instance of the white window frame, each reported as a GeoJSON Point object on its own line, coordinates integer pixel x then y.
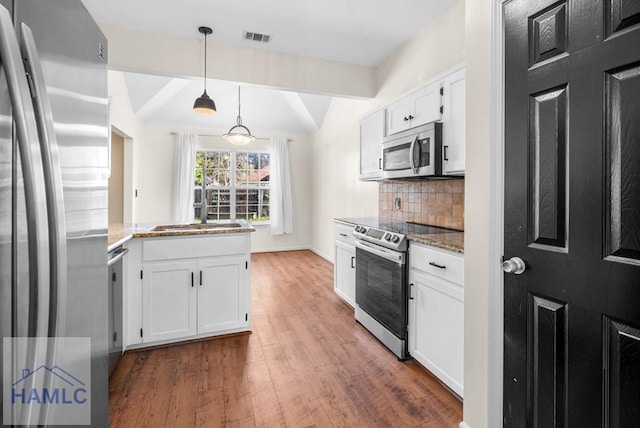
{"type": "Point", "coordinates": [233, 186]}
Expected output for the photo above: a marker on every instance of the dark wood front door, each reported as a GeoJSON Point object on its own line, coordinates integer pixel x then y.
{"type": "Point", "coordinates": [572, 213]}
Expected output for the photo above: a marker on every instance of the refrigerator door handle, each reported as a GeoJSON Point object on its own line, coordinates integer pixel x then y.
{"type": "Point", "coordinates": [33, 177]}
{"type": "Point", "coordinates": [53, 184]}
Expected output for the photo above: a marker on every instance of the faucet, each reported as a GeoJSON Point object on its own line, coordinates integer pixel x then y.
{"type": "Point", "coordinates": [203, 198]}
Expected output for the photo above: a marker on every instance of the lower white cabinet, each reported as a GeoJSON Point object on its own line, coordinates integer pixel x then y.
{"type": "Point", "coordinates": [436, 312]}
{"type": "Point", "coordinates": [169, 300]}
{"type": "Point", "coordinates": [189, 287]}
{"type": "Point", "coordinates": [344, 270]}
{"type": "Point", "coordinates": [222, 295]}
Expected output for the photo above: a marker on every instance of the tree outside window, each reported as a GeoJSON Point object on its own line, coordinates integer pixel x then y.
{"type": "Point", "coordinates": [236, 185]}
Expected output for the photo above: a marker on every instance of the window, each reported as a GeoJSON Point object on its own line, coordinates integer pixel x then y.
{"type": "Point", "coordinates": [236, 185]}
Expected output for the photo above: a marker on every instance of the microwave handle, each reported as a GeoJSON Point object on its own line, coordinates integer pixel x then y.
{"type": "Point", "coordinates": [412, 162]}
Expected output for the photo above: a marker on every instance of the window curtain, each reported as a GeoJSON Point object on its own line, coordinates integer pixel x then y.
{"type": "Point", "coordinates": [185, 160]}
{"type": "Point", "coordinates": [280, 195]}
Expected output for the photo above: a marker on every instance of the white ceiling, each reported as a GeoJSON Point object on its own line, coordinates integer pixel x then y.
{"type": "Point", "coordinates": [363, 32]}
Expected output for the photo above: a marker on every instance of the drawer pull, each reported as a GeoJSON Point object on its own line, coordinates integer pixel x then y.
{"type": "Point", "coordinates": [353, 259]}
{"type": "Point", "coordinates": [434, 264]}
{"type": "Point", "coordinates": [343, 234]}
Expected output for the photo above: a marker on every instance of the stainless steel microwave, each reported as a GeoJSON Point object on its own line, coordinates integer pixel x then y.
{"type": "Point", "coordinates": [413, 153]}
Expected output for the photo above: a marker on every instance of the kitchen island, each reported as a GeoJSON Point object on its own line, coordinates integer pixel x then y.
{"type": "Point", "coordinates": [184, 281]}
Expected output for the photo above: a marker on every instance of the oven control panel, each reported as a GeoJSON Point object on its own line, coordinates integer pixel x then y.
{"type": "Point", "coordinates": [392, 240]}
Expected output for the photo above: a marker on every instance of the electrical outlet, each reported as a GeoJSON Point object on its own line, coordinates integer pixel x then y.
{"type": "Point", "coordinates": [398, 203]}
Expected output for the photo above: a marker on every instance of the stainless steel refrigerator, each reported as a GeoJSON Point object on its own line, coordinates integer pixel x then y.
{"type": "Point", "coordinates": [54, 129]}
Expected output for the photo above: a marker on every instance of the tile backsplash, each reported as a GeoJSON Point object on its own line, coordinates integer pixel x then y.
{"type": "Point", "coordinates": [434, 202]}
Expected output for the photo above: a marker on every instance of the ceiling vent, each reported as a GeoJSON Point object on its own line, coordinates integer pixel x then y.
{"type": "Point", "coordinates": [257, 37]}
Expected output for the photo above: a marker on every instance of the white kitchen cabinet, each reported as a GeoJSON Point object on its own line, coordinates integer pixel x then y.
{"type": "Point", "coordinates": [436, 312]}
{"type": "Point", "coordinates": [222, 294]}
{"type": "Point", "coordinates": [188, 287]}
{"type": "Point", "coordinates": [415, 109]}
{"type": "Point", "coordinates": [344, 271]}
{"type": "Point", "coordinates": [453, 123]}
{"type": "Point", "coordinates": [371, 135]}
{"type": "Point", "coordinates": [169, 300]}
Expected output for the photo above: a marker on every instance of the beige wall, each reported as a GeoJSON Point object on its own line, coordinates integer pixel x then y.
{"type": "Point", "coordinates": [116, 179]}
{"type": "Point", "coordinates": [152, 168]}
{"type": "Point", "coordinates": [156, 53]}
{"type": "Point", "coordinates": [477, 238]}
{"type": "Point", "coordinates": [336, 189]}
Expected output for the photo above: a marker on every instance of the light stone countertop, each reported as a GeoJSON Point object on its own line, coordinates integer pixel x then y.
{"type": "Point", "coordinates": [121, 233]}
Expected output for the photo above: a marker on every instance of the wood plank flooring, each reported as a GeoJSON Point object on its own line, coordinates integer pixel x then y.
{"type": "Point", "coordinates": [307, 363]}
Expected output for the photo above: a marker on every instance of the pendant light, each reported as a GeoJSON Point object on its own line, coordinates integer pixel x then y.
{"type": "Point", "coordinates": [239, 134]}
{"type": "Point", "coordinates": [204, 104]}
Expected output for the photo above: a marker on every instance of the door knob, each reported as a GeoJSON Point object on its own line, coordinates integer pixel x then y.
{"type": "Point", "coordinates": [514, 265]}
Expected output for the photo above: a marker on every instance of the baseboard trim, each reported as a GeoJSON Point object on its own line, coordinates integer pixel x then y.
{"type": "Point", "coordinates": [321, 254]}
{"type": "Point", "coordinates": [463, 425]}
{"type": "Point", "coordinates": [277, 249]}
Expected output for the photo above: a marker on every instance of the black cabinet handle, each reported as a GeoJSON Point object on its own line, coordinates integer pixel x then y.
{"type": "Point", "coordinates": [410, 293]}
{"type": "Point", "coordinates": [437, 265]}
{"type": "Point", "coordinates": [379, 163]}
{"type": "Point", "coordinates": [200, 277]}
{"type": "Point", "coordinates": [446, 153]}
{"type": "Point", "coordinates": [406, 119]}
{"type": "Point", "coordinates": [343, 234]}
{"type": "Point", "coordinates": [410, 117]}
{"type": "Point", "coordinates": [353, 260]}
{"type": "Point", "coordinates": [192, 279]}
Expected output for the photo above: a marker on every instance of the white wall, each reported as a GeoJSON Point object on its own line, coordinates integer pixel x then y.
{"type": "Point", "coordinates": [337, 192]}
{"type": "Point", "coordinates": [476, 228]}
{"type": "Point", "coordinates": [336, 189]}
{"type": "Point", "coordinates": [152, 169]}
{"type": "Point", "coordinates": [156, 53]}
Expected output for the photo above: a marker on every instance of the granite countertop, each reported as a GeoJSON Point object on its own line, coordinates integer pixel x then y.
{"type": "Point", "coordinates": [121, 233]}
{"type": "Point", "coordinates": [448, 240]}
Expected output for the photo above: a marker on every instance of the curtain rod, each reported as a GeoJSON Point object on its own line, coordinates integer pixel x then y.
{"type": "Point", "coordinates": [215, 135]}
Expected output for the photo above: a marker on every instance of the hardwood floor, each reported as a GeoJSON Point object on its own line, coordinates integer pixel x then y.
{"type": "Point", "coordinates": [306, 364]}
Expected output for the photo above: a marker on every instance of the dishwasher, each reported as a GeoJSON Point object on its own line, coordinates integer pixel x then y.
{"type": "Point", "coordinates": [115, 305]}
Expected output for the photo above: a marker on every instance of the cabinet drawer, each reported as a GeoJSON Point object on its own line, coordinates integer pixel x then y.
{"type": "Point", "coordinates": [194, 247]}
{"type": "Point", "coordinates": [344, 233]}
{"type": "Point", "coordinates": [436, 262]}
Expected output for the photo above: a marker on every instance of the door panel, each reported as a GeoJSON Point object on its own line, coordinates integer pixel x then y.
{"type": "Point", "coordinates": [548, 163]}
{"type": "Point", "coordinates": [222, 295]}
{"type": "Point", "coordinates": [623, 148]}
{"type": "Point", "coordinates": [572, 213]}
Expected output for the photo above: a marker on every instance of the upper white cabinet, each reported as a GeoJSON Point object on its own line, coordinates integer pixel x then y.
{"type": "Point", "coordinates": [453, 123]}
{"type": "Point", "coordinates": [371, 135]}
{"type": "Point", "coordinates": [417, 108]}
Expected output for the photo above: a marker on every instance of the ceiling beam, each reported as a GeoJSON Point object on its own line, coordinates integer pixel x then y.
{"type": "Point", "coordinates": [161, 54]}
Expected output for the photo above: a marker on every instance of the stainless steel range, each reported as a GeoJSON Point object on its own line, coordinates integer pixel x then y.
{"type": "Point", "coordinates": [381, 286]}
{"type": "Point", "coordinates": [381, 280]}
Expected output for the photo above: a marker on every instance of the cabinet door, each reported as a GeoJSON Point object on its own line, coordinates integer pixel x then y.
{"type": "Point", "coordinates": [169, 299]}
{"type": "Point", "coordinates": [436, 327]}
{"type": "Point", "coordinates": [344, 275]}
{"type": "Point", "coordinates": [397, 116]}
{"type": "Point", "coordinates": [371, 135]}
{"type": "Point", "coordinates": [425, 105]}
{"type": "Point", "coordinates": [223, 301]}
{"type": "Point", "coordinates": [453, 126]}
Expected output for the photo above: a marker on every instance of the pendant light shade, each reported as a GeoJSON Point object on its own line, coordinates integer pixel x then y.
{"type": "Point", "coordinates": [239, 134]}
{"type": "Point", "coordinates": [204, 104]}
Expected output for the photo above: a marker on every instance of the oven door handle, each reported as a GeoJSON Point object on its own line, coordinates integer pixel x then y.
{"type": "Point", "coordinates": [393, 256]}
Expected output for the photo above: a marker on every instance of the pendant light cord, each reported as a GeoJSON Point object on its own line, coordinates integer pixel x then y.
{"type": "Point", "coordinates": [239, 118]}
{"type": "Point", "coordinates": [205, 62]}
